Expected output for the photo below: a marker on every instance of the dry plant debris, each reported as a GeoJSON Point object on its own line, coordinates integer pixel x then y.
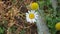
{"type": "Point", "coordinates": [12, 17]}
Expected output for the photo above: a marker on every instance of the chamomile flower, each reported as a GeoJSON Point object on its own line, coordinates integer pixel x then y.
{"type": "Point", "coordinates": [31, 16]}
{"type": "Point", "coordinates": [34, 6]}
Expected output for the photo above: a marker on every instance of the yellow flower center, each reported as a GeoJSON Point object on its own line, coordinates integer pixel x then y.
{"type": "Point", "coordinates": [57, 26]}
{"type": "Point", "coordinates": [31, 16]}
{"type": "Point", "coordinates": [34, 6]}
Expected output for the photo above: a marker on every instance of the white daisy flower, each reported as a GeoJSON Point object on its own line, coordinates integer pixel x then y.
{"type": "Point", "coordinates": [31, 16]}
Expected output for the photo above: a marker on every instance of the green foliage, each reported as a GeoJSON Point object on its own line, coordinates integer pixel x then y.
{"type": "Point", "coordinates": [2, 29]}
{"type": "Point", "coordinates": [22, 32]}
{"type": "Point", "coordinates": [51, 18]}
{"type": "Point", "coordinates": [48, 2]}
{"type": "Point", "coordinates": [41, 4]}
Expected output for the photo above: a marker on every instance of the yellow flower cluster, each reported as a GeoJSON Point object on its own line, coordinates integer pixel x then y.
{"type": "Point", "coordinates": [34, 6]}
{"type": "Point", "coordinates": [57, 26]}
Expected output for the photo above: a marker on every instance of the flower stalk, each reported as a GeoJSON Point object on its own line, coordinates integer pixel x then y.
{"type": "Point", "coordinates": [41, 25]}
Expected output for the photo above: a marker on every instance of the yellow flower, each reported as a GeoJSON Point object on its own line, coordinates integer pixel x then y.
{"type": "Point", "coordinates": [57, 26]}
{"type": "Point", "coordinates": [34, 6]}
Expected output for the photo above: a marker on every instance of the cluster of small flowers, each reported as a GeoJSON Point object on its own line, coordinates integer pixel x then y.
{"type": "Point", "coordinates": [32, 15]}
